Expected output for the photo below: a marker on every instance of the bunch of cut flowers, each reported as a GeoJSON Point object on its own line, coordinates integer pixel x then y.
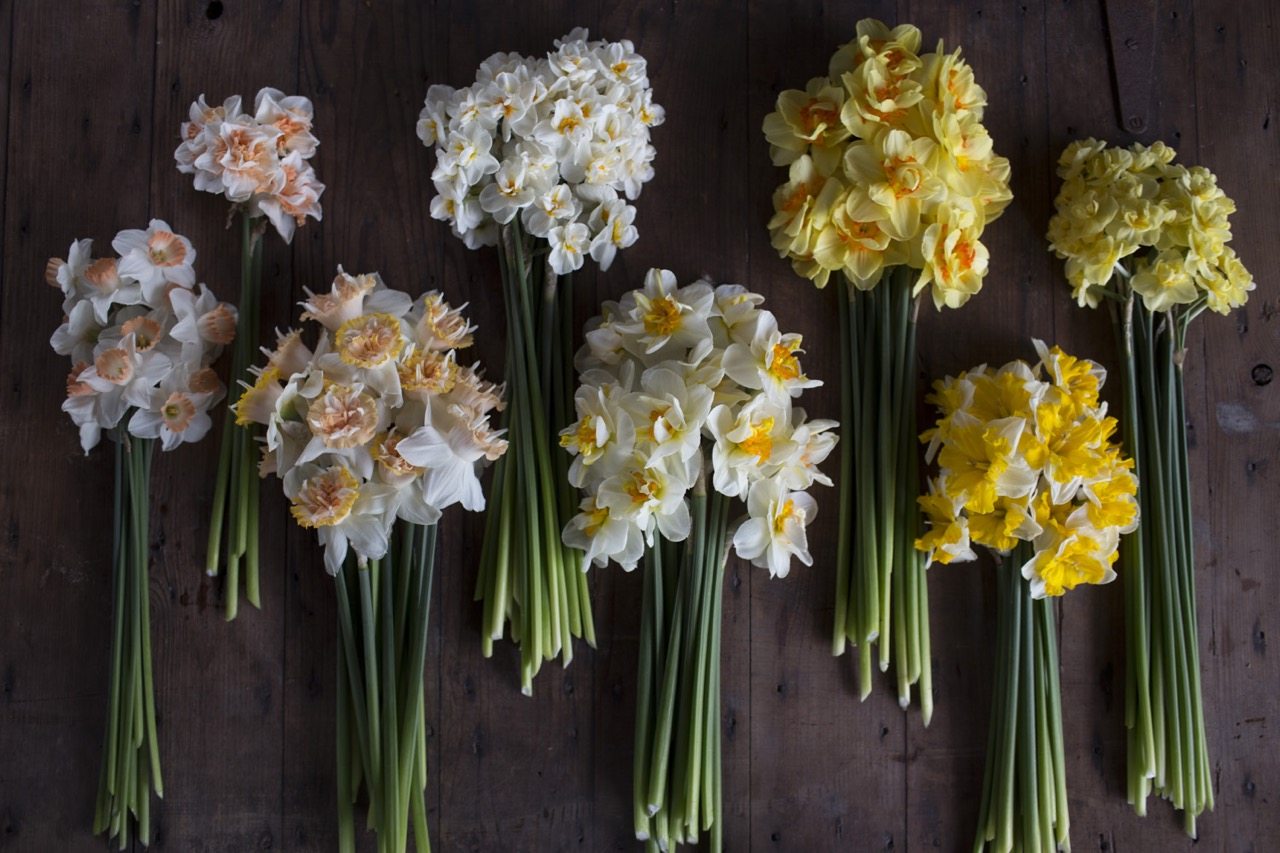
{"type": "Point", "coordinates": [373, 433]}
{"type": "Point", "coordinates": [892, 179]}
{"type": "Point", "coordinates": [541, 157]}
{"type": "Point", "coordinates": [1028, 468]}
{"type": "Point", "coordinates": [142, 335]}
{"type": "Point", "coordinates": [686, 408]}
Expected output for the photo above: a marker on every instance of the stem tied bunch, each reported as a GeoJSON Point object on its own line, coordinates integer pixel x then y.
{"type": "Point", "coordinates": [892, 179]}
{"type": "Point", "coordinates": [1148, 237]}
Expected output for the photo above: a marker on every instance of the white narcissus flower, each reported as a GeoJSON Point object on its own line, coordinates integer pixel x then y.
{"type": "Point", "coordinates": [508, 194]}
{"type": "Point", "coordinates": [666, 317]}
{"type": "Point", "coordinates": [750, 443]}
{"type": "Point", "coordinates": [569, 244]}
{"type": "Point", "coordinates": [614, 230]}
{"type": "Point", "coordinates": [603, 430]}
{"type": "Point", "coordinates": [155, 256]}
{"type": "Point", "coordinates": [201, 320]}
{"type": "Point", "coordinates": [578, 118]}
{"type": "Point", "coordinates": [649, 497]}
{"type": "Point", "coordinates": [774, 531]}
{"type": "Point", "coordinates": [769, 362]}
{"type": "Point", "coordinates": [668, 414]}
{"type": "Point", "coordinates": [176, 414]}
{"type": "Point", "coordinates": [78, 336]}
{"type": "Point", "coordinates": [604, 537]}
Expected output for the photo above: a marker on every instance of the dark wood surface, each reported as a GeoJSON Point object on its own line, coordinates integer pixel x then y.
{"type": "Point", "coordinates": [91, 94]}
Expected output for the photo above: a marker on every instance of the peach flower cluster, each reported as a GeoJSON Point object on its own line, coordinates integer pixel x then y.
{"type": "Point", "coordinates": [142, 335]}
{"type": "Point", "coordinates": [259, 159]}
{"type": "Point", "coordinates": [379, 421]}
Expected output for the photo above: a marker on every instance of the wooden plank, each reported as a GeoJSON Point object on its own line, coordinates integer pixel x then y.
{"type": "Point", "coordinates": [364, 72]}
{"type": "Point", "coordinates": [1092, 624]}
{"type": "Point", "coordinates": [518, 771]}
{"type": "Point", "coordinates": [1236, 487]}
{"type": "Point", "coordinates": [812, 743]}
{"type": "Point", "coordinates": [1006, 50]}
{"type": "Point", "coordinates": [73, 169]}
{"type": "Point", "coordinates": [223, 684]}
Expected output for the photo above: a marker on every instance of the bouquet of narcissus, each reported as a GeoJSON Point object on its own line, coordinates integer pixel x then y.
{"type": "Point", "coordinates": [892, 181]}
{"type": "Point", "coordinates": [1149, 237]}
{"type": "Point", "coordinates": [260, 162]}
{"type": "Point", "coordinates": [1028, 469]}
{"type": "Point", "coordinates": [142, 335]}
{"type": "Point", "coordinates": [373, 434]}
{"type": "Point", "coordinates": [541, 157]}
{"type": "Point", "coordinates": [686, 404]}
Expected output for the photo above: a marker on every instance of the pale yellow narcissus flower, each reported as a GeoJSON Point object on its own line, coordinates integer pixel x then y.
{"type": "Point", "coordinates": [808, 122]}
{"type": "Point", "coordinates": [795, 222]}
{"type": "Point", "coordinates": [896, 46]}
{"type": "Point", "coordinates": [1164, 281]}
{"type": "Point", "coordinates": [853, 240]}
{"type": "Point", "coordinates": [955, 260]}
{"type": "Point", "coordinates": [896, 171]}
{"type": "Point", "coordinates": [881, 95]}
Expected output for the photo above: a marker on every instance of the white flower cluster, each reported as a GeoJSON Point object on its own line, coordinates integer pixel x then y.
{"type": "Point", "coordinates": [671, 375]}
{"type": "Point", "coordinates": [558, 141]}
{"type": "Point", "coordinates": [259, 160]}
{"type": "Point", "coordinates": [142, 334]}
{"type": "Point", "coordinates": [380, 421]}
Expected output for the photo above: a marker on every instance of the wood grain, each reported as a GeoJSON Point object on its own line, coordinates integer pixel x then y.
{"type": "Point", "coordinates": [91, 94]}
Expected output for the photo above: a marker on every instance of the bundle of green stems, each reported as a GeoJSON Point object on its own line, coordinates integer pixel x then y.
{"type": "Point", "coordinates": [383, 609]}
{"type": "Point", "coordinates": [1024, 786]}
{"type": "Point", "coordinates": [882, 597]}
{"type": "Point", "coordinates": [677, 788]}
{"type": "Point", "coordinates": [1164, 706]}
{"type": "Point", "coordinates": [233, 526]}
{"type": "Point", "coordinates": [528, 577]}
{"type": "Point", "coordinates": [131, 757]}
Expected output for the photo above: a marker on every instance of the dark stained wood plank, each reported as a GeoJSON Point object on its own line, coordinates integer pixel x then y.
{"type": "Point", "coordinates": [55, 559]}
{"type": "Point", "coordinates": [1082, 102]}
{"type": "Point", "coordinates": [694, 220]}
{"type": "Point", "coordinates": [365, 72]}
{"type": "Point", "coordinates": [1237, 489]}
{"type": "Point", "coordinates": [247, 709]}
{"type": "Point", "coordinates": [223, 684]}
{"type": "Point", "coordinates": [516, 771]}
{"type": "Point", "coordinates": [1005, 45]}
{"type": "Point", "coordinates": [813, 744]}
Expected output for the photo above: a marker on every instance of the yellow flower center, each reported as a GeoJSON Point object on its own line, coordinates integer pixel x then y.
{"type": "Point", "coordinates": [146, 332]}
{"type": "Point", "coordinates": [178, 411]}
{"type": "Point", "coordinates": [663, 317]}
{"type": "Point", "coordinates": [759, 443]}
{"type": "Point", "coordinates": [783, 364]}
{"type": "Point", "coordinates": [786, 513]}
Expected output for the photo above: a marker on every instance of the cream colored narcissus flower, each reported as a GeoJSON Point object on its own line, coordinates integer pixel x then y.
{"type": "Point", "coordinates": [774, 531]}
{"type": "Point", "coordinates": [686, 390]}
{"type": "Point", "coordinates": [603, 428]}
{"type": "Point", "coordinates": [664, 316]}
{"type": "Point", "coordinates": [155, 256]}
{"type": "Point", "coordinates": [770, 362]}
{"type": "Point", "coordinates": [379, 422]}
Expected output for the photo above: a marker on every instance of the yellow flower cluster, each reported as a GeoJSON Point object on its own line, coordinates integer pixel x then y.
{"type": "Point", "coordinates": [1026, 454]}
{"type": "Point", "coordinates": [889, 164]}
{"type": "Point", "coordinates": [1116, 202]}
